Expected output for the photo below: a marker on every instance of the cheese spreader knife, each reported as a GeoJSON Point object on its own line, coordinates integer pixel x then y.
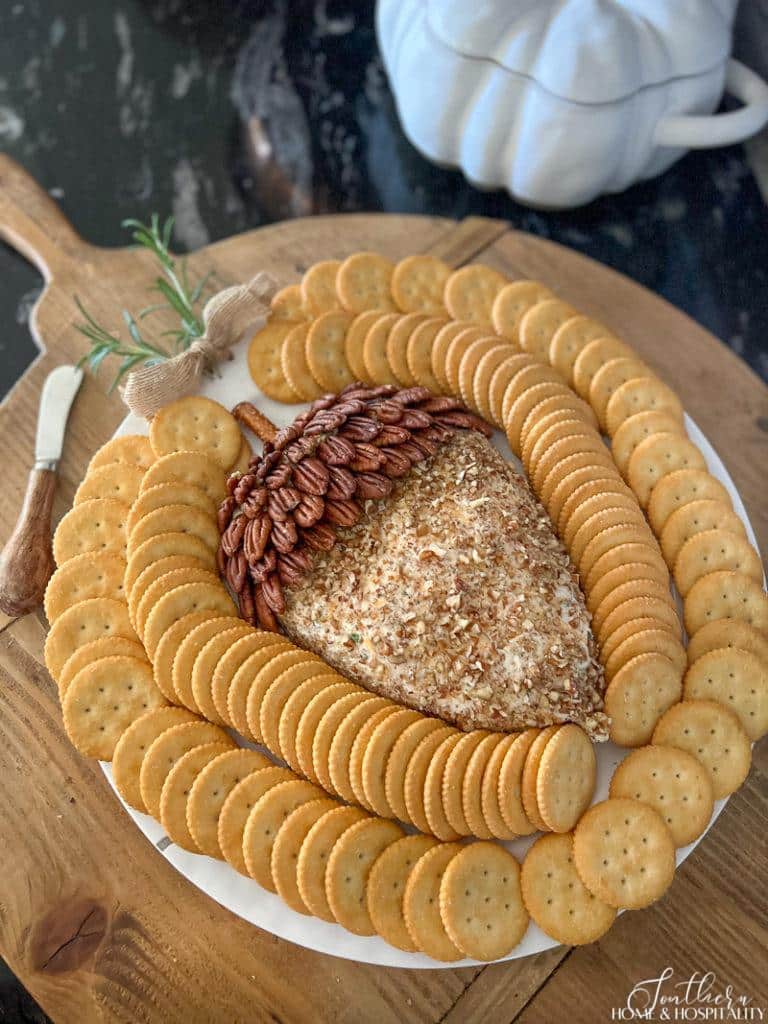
{"type": "Point", "coordinates": [26, 563]}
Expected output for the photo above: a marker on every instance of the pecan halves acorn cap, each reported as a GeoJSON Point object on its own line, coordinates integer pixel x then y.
{"type": "Point", "coordinates": [314, 477]}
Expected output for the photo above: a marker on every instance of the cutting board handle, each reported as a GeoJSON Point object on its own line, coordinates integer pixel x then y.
{"type": "Point", "coordinates": [33, 224]}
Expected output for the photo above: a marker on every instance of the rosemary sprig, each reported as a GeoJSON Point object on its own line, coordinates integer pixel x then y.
{"type": "Point", "coordinates": [176, 294]}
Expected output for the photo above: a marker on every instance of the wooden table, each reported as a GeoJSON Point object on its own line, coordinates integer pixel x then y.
{"type": "Point", "coordinates": [96, 924]}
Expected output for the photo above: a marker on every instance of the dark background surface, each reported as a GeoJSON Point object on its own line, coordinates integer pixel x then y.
{"type": "Point", "coordinates": [233, 114]}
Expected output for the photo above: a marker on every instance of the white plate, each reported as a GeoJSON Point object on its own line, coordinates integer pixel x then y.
{"type": "Point", "coordinates": [245, 897]}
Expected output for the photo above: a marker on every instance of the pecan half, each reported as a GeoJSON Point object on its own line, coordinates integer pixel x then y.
{"type": "Point", "coordinates": [367, 457]}
{"type": "Point", "coordinates": [309, 510]}
{"type": "Point", "coordinates": [311, 476]}
{"type": "Point", "coordinates": [272, 589]}
{"type": "Point", "coordinates": [342, 513]}
{"type": "Point", "coordinates": [336, 451]}
{"type": "Point", "coordinates": [341, 483]}
{"type": "Point", "coordinates": [256, 538]}
{"type": "Point", "coordinates": [373, 485]}
{"type": "Point", "coordinates": [284, 536]}
{"type": "Point", "coordinates": [319, 538]}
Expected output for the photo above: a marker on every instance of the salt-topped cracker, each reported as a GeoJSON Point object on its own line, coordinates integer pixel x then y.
{"type": "Point", "coordinates": [565, 781]}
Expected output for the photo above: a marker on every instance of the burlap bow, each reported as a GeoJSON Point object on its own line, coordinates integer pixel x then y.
{"type": "Point", "coordinates": [226, 316]}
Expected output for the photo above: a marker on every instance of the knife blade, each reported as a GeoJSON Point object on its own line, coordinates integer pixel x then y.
{"type": "Point", "coordinates": [61, 386]}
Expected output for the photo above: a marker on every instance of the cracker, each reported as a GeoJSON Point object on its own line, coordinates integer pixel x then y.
{"type": "Point", "coordinates": [512, 303]}
{"type": "Point", "coordinates": [500, 381]}
{"type": "Point", "coordinates": [565, 781]}
{"type": "Point", "coordinates": [440, 345]}
{"type": "Point", "coordinates": [175, 519]}
{"type": "Point", "coordinates": [625, 554]}
{"type": "Point", "coordinates": [84, 576]}
{"type": "Point", "coordinates": [103, 699]}
{"type": "Point", "coordinates": [609, 379]}
{"type": "Point", "coordinates": [287, 304]}
{"type": "Point", "coordinates": [397, 347]}
{"type": "Point", "coordinates": [545, 432]}
{"type": "Point", "coordinates": [104, 647]}
{"type": "Point", "coordinates": [418, 283]}
{"type": "Point", "coordinates": [210, 790]}
{"type": "Point", "coordinates": [94, 526]}
{"type": "Point", "coordinates": [188, 651]}
{"type": "Point", "coordinates": [736, 679]}
{"type": "Point", "coordinates": [472, 785]}
{"type": "Point", "coordinates": [659, 608]}
{"type": "Point", "coordinates": [293, 363]}
{"type": "Point", "coordinates": [638, 696]}
{"type": "Point", "coordinates": [163, 585]}
{"type": "Point", "coordinates": [319, 727]}
{"type": "Point", "coordinates": [354, 340]}
{"type": "Point", "coordinates": [85, 621]}
{"type": "Point", "coordinates": [673, 783]}
{"type": "Point", "coordinates": [564, 405]}
{"type": "Point", "coordinates": [265, 366]}
{"type": "Point", "coordinates": [360, 720]}
{"type": "Point", "coordinates": [183, 600]}
{"type": "Point", "coordinates": [375, 350]}
{"type": "Point", "coordinates": [265, 820]}
{"type": "Point", "coordinates": [613, 495]}
{"type": "Point", "coordinates": [612, 537]}
{"type": "Point", "coordinates": [133, 744]}
{"type": "Point", "coordinates": [624, 853]}
{"type": "Point", "coordinates": [133, 449]}
{"type": "Point", "coordinates": [237, 807]}
{"type": "Point", "coordinates": [656, 457]}
{"type": "Point", "coordinates": [432, 795]}
{"type": "Point", "coordinates": [418, 353]}
{"type": "Point", "coordinates": [286, 848]}
{"type": "Point", "coordinates": [643, 394]}
{"type": "Point", "coordinates": [540, 324]}
{"type": "Point", "coordinates": [454, 353]}
{"type": "Point", "coordinates": [386, 885]}
{"type": "Point", "coordinates": [721, 595]}
{"type": "Point", "coordinates": [528, 781]}
{"type": "Point", "coordinates": [421, 903]}
{"type": "Point", "coordinates": [349, 865]}
{"type": "Point", "coordinates": [416, 776]}
{"type": "Point", "coordinates": [634, 627]}
{"type": "Point", "coordinates": [118, 480]}
{"type": "Point", "coordinates": [196, 424]}
{"type": "Point", "coordinates": [175, 793]}
{"type": "Point", "coordinates": [453, 780]}
{"type": "Point", "coordinates": [599, 477]}
{"type": "Point", "coordinates": [363, 282]}
{"type": "Point", "coordinates": [713, 734]}
{"type": "Point", "coordinates": [694, 518]}
{"type": "Point", "coordinates": [527, 376]}
{"type": "Point", "coordinates": [489, 789]}
{"type": "Point", "coordinates": [630, 588]}
{"type": "Point", "coordinates": [162, 660]}
{"type": "Point", "coordinates": [727, 633]}
{"type": "Point", "coordinates": [592, 358]}
{"type": "Point", "coordinates": [621, 574]}
{"type": "Point", "coordinates": [166, 750]}
{"type": "Point", "coordinates": [279, 692]}
{"type": "Point", "coordinates": [509, 788]}
{"type": "Point", "coordinates": [193, 468]}
{"type": "Point", "coordinates": [155, 571]}
{"type": "Point", "coordinates": [635, 429]}
{"type": "Point", "coordinates": [376, 759]}
{"type": "Point", "coordinates": [230, 662]}
{"type": "Point", "coordinates": [360, 746]}
{"type": "Point", "coordinates": [245, 678]}
{"type": "Point", "coordinates": [469, 364]}
{"type": "Point", "coordinates": [325, 348]}
{"type": "Point", "coordinates": [172, 493]}
{"type": "Point", "coordinates": [598, 462]}
{"type": "Point", "coordinates": [313, 857]}
{"type": "Point", "coordinates": [481, 902]}
{"type": "Point", "coordinates": [570, 340]}
{"type": "Point", "coordinates": [682, 487]}
{"type": "Point", "coordinates": [398, 762]}
{"type": "Point", "coordinates": [589, 441]}
{"type": "Point", "coordinates": [318, 288]}
{"type": "Point", "coordinates": [525, 405]}
{"type": "Point", "coordinates": [469, 292]}
{"type": "Point", "coordinates": [555, 896]}
{"type": "Point", "coordinates": [489, 363]}
{"type": "Point", "coordinates": [651, 639]}
{"type": "Point", "coordinates": [292, 711]}
{"type": "Point", "coordinates": [715, 551]}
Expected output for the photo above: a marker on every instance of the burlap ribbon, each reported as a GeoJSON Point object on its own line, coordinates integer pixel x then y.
{"type": "Point", "coordinates": [226, 316]}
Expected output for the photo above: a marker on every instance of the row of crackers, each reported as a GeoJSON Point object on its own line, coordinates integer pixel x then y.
{"type": "Point", "coordinates": [548, 412]}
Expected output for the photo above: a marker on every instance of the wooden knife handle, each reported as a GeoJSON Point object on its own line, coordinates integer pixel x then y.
{"type": "Point", "coordinates": [26, 563]}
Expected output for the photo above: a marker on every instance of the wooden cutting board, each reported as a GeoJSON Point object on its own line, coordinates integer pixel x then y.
{"type": "Point", "coordinates": [91, 919]}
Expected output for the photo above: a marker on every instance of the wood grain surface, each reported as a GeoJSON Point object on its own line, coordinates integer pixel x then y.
{"type": "Point", "coordinates": [99, 926]}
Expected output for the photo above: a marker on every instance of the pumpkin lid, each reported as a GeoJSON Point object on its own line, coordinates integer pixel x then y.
{"type": "Point", "coordinates": [589, 51]}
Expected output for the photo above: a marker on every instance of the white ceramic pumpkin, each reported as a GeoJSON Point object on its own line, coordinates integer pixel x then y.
{"type": "Point", "coordinates": [561, 100]}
